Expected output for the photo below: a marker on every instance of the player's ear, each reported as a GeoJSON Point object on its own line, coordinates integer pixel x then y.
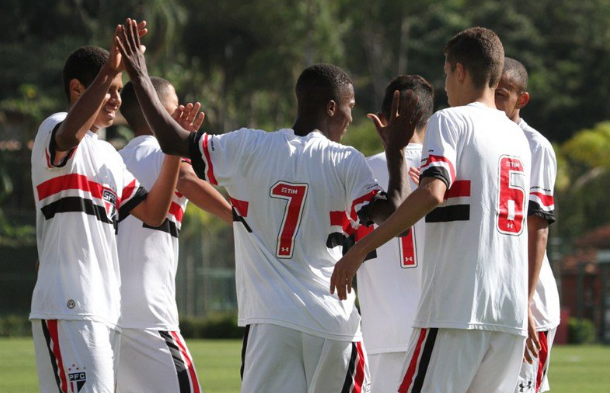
{"type": "Point", "coordinates": [76, 89]}
{"type": "Point", "coordinates": [460, 72]}
{"type": "Point", "coordinates": [523, 99]}
{"type": "Point", "coordinates": [331, 108]}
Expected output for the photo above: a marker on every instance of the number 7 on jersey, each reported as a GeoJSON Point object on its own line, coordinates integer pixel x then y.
{"type": "Point", "coordinates": [295, 195]}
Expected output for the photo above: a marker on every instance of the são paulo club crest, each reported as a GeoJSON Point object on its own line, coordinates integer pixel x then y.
{"type": "Point", "coordinates": [109, 198]}
{"type": "Point", "coordinates": [76, 379]}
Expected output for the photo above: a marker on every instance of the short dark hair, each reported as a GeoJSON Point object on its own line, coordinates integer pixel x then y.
{"type": "Point", "coordinates": [422, 89]}
{"type": "Point", "coordinates": [83, 65]}
{"type": "Point", "coordinates": [481, 53]}
{"type": "Point", "coordinates": [516, 72]}
{"type": "Point", "coordinates": [319, 84]}
{"type": "Point", "coordinates": [130, 107]}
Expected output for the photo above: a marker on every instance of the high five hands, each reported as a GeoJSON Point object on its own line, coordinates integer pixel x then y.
{"type": "Point", "coordinates": [127, 41]}
{"type": "Point", "coordinates": [401, 125]}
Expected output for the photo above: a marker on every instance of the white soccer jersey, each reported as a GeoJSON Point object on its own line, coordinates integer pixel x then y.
{"type": "Point", "coordinates": [545, 305]}
{"type": "Point", "coordinates": [78, 206]}
{"type": "Point", "coordinates": [148, 255]}
{"type": "Point", "coordinates": [291, 196]}
{"type": "Point", "coordinates": [475, 268]}
{"type": "Point", "coordinates": [389, 283]}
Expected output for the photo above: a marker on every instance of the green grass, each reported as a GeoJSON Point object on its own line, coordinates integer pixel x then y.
{"type": "Point", "coordinates": [582, 369]}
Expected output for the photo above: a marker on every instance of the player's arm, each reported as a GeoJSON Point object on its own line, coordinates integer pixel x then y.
{"type": "Point", "coordinates": [83, 113]}
{"type": "Point", "coordinates": [395, 137]}
{"type": "Point", "coordinates": [203, 194]}
{"type": "Point", "coordinates": [538, 233]}
{"type": "Point", "coordinates": [172, 138]}
{"type": "Point", "coordinates": [424, 199]}
{"type": "Point", "coordinates": [155, 207]}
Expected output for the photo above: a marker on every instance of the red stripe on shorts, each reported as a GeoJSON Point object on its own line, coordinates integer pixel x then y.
{"type": "Point", "coordinates": [54, 333]}
{"type": "Point", "coordinates": [188, 362]}
{"type": "Point", "coordinates": [407, 382]}
{"type": "Point", "coordinates": [542, 356]}
{"type": "Point", "coordinates": [360, 369]}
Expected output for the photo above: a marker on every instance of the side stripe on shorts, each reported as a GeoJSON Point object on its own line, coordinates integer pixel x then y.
{"type": "Point", "coordinates": [542, 359]}
{"type": "Point", "coordinates": [418, 366]}
{"type": "Point", "coordinates": [185, 370]}
{"type": "Point", "coordinates": [354, 379]}
{"type": "Point", "coordinates": [244, 345]}
{"type": "Point", "coordinates": [51, 335]}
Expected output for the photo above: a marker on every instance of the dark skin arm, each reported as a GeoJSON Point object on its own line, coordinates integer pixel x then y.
{"type": "Point", "coordinates": [203, 194]}
{"type": "Point", "coordinates": [424, 199]}
{"type": "Point", "coordinates": [395, 136]}
{"type": "Point", "coordinates": [538, 233]}
{"type": "Point", "coordinates": [172, 138]}
{"type": "Point", "coordinates": [83, 113]}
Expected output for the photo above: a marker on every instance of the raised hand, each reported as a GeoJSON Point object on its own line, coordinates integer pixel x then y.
{"type": "Point", "coordinates": [127, 40]}
{"type": "Point", "coordinates": [189, 117]}
{"type": "Point", "coordinates": [401, 124]}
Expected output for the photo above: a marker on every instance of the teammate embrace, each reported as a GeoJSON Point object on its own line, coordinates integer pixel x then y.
{"type": "Point", "coordinates": [297, 195]}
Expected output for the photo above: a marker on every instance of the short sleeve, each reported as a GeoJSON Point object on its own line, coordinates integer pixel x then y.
{"type": "Point", "coordinates": [439, 150]}
{"type": "Point", "coordinates": [215, 158]}
{"type": "Point", "coordinates": [361, 187]}
{"type": "Point", "coordinates": [132, 194]}
{"type": "Point", "coordinates": [542, 183]}
{"type": "Point", "coordinates": [48, 148]}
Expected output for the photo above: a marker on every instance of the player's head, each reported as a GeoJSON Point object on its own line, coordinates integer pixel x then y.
{"type": "Point", "coordinates": [325, 95]}
{"type": "Point", "coordinates": [475, 55]}
{"type": "Point", "coordinates": [80, 70]}
{"type": "Point", "coordinates": [131, 107]}
{"type": "Point", "coordinates": [511, 94]}
{"type": "Point", "coordinates": [422, 89]}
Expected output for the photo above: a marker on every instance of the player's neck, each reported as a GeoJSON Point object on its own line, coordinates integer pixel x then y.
{"type": "Point", "coordinates": [303, 126]}
{"type": "Point", "coordinates": [485, 96]}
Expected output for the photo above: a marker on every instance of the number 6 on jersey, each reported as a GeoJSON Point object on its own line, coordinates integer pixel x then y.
{"type": "Point", "coordinates": [511, 201]}
{"type": "Point", "coordinates": [295, 194]}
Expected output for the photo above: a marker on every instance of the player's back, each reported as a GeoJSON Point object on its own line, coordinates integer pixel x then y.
{"type": "Point", "coordinates": [475, 268]}
{"type": "Point", "coordinates": [291, 194]}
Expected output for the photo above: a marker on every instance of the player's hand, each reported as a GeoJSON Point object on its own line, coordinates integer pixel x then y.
{"type": "Point", "coordinates": [414, 175]}
{"type": "Point", "coordinates": [532, 343]}
{"type": "Point", "coordinates": [189, 117]}
{"type": "Point", "coordinates": [344, 272]}
{"type": "Point", "coordinates": [402, 122]}
{"type": "Point", "coordinates": [115, 60]}
{"type": "Point", "coordinates": [127, 40]}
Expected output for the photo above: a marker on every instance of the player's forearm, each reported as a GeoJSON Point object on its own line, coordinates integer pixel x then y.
{"type": "Point", "coordinates": [538, 232]}
{"type": "Point", "coordinates": [398, 187]}
{"type": "Point", "coordinates": [203, 195]}
{"type": "Point", "coordinates": [172, 138]}
{"type": "Point", "coordinates": [153, 210]}
{"type": "Point", "coordinates": [417, 205]}
{"type": "Point", "coordinates": [82, 114]}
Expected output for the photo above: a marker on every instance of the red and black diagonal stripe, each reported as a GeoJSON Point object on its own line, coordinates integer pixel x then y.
{"type": "Point", "coordinates": [413, 380]}
{"type": "Point", "coordinates": [356, 371]}
{"type": "Point", "coordinates": [185, 370]}
{"type": "Point", "coordinates": [51, 335]}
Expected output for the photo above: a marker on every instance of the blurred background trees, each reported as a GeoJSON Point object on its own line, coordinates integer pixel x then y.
{"type": "Point", "coordinates": [241, 60]}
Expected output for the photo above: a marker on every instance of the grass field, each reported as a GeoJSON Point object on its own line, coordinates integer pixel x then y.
{"type": "Point", "coordinates": [582, 369]}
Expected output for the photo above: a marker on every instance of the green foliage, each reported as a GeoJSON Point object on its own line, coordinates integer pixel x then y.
{"type": "Point", "coordinates": [581, 331]}
{"type": "Point", "coordinates": [15, 326]}
{"type": "Point", "coordinates": [219, 325]}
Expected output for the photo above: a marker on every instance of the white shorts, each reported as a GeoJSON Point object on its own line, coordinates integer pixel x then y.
{"type": "Point", "coordinates": [462, 361]}
{"type": "Point", "coordinates": [155, 361]}
{"type": "Point", "coordinates": [276, 359]}
{"type": "Point", "coordinates": [75, 356]}
{"type": "Point", "coordinates": [386, 369]}
{"type": "Point", "coordinates": [533, 377]}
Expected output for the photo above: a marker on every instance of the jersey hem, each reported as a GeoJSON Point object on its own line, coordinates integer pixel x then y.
{"type": "Point", "coordinates": [330, 336]}
{"type": "Point", "coordinates": [470, 326]}
{"type": "Point", "coordinates": [378, 351]}
{"type": "Point", "coordinates": [161, 328]}
{"type": "Point", "coordinates": [71, 317]}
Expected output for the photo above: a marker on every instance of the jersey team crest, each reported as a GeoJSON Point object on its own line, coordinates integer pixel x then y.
{"type": "Point", "coordinates": [77, 380]}
{"type": "Point", "coordinates": [110, 199]}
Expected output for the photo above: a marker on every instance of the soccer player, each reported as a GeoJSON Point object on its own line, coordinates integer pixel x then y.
{"type": "Point", "coordinates": [389, 283]}
{"type": "Point", "coordinates": [511, 97]}
{"type": "Point", "coordinates": [293, 191]}
{"type": "Point", "coordinates": [82, 190]}
{"type": "Point", "coordinates": [154, 356]}
{"type": "Point", "coordinates": [472, 315]}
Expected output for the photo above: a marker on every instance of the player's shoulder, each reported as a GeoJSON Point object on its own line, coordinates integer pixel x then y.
{"type": "Point", "coordinates": [50, 122]}
{"type": "Point", "coordinates": [537, 141]}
